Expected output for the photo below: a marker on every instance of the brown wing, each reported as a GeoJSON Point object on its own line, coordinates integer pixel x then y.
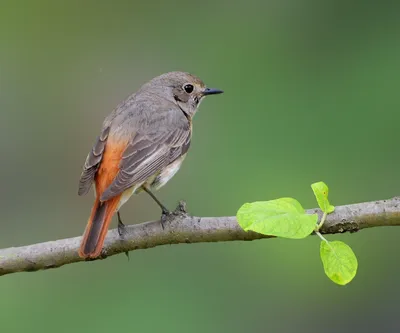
{"type": "Point", "coordinates": [92, 162]}
{"type": "Point", "coordinates": [146, 156]}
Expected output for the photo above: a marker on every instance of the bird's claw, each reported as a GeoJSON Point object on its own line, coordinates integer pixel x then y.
{"type": "Point", "coordinates": [121, 229]}
{"type": "Point", "coordinates": [164, 217]}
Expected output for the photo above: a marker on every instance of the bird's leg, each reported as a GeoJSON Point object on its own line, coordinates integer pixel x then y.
{"type": "Point", "coordinates": [164, 210]}
{"type": "Point", "coordinates": [121, 230]}
{"type": "Point", "coordinates": [121, 226]}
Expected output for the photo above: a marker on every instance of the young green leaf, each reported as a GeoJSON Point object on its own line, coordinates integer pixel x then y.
{"type": "Point", "coordinates": [283, 217]}
{"type": "Point", "coordinates": [320, 190]}
{"type": "Point", "coordinates": [340, 262]}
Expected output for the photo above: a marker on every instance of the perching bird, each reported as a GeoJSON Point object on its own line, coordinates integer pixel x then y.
{"type": "Point", "coordinates": [142, 145]}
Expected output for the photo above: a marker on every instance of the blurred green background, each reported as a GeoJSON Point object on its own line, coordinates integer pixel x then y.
{"type": "Point", "coordinates": [311, 93]}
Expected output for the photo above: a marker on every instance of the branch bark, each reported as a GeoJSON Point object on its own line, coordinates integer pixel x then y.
{"type": "Point", "coordinates": [182, 228]}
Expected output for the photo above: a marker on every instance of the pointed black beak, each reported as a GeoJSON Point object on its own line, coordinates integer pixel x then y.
{"type": "Point", "coordinates": [211, 91]}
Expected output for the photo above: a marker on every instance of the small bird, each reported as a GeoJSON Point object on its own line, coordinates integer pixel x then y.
{"type": "Point", "coordinates": [141, 146]}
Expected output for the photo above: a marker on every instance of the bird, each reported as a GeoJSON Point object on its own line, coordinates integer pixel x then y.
{"type": "Point", "coordinates": [141, 146]}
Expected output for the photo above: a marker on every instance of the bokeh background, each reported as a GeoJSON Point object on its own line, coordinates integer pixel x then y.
{"type": "Point", "coordinates": [311, 93]}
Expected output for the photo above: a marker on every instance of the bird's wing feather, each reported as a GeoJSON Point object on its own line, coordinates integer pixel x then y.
{"type": "Point", "coordinates": [148, 153]}
{"type": "Point", "coordinates": [92, 162]}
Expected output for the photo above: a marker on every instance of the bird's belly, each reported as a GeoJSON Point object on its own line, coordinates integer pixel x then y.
{"type": "Point", "coordinates": [125, 196]}
{"type": "Point", "coordinates": [154, 183]}
{"type": "Point", "coordinates": [167, 173]}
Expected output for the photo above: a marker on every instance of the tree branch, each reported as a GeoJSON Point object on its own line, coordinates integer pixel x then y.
{"type": "Point", "coordinates": [182, 228]}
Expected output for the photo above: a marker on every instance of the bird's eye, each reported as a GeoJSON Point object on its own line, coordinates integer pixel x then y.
{"type": "Point", "coordinates": [188, 88]}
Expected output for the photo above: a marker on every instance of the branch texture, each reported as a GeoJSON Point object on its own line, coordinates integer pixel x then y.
{"type": "Point", "coordinates": [182, 228]}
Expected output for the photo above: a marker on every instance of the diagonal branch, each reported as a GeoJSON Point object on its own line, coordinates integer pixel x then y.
{"type": "Point", "coordinates": [182, 228]}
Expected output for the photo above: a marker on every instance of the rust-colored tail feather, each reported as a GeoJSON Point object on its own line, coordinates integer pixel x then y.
{"type": "Point", "coordinates": [97, 227]}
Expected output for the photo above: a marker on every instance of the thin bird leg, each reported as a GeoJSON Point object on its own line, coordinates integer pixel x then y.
{"type": "Point", "coordinates": [121, 230]}
{"type": "Point", "coordinates": [121, 226]}
{"type": "Point", "coordinates": [165, 211]}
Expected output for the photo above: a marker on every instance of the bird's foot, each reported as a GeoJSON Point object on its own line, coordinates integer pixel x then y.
{"type": "Point", "coordinates": [167, 216]}
{"type": "Point", "coordinates": [122, 231]}
{"type": "Point", "coordinates": [164, 217]}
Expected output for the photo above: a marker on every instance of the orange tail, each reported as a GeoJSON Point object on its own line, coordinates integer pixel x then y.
{"type": "Point", "coordinates": [96, 229]}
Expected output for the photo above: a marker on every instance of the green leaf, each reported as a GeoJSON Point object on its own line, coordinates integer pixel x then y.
{"type": "Point", "coordinates": [340, 262]}
{"type": "Point", "coordinates": [283, 217]}
{"type": "Point", "coordinates": [320, 190]}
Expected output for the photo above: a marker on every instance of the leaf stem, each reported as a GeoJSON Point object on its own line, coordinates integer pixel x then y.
{"type": "Point", "coordinates": [320, 236]}
{"type": "Point", "coordinates": [326, 241]}
{"type": "Point", "coordinates": [322, 222]}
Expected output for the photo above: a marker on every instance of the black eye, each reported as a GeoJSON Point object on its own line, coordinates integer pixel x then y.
{"type": "Point", "coordinates": [188, 88]}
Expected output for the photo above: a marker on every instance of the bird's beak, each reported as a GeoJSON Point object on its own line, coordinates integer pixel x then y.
{"type": "Point", "coordinates": [211, 91]}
